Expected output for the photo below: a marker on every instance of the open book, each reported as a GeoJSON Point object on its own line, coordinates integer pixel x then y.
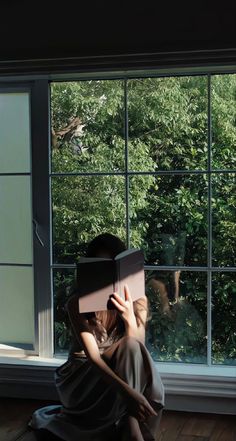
{"type": "Point", "coordinates": [98, 278]}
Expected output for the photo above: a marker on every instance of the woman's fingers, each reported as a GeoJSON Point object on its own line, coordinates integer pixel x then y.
{"type": "Point", "coordinates": [117, 304]}
{"type": "Point", "coordinates": [119, 299]}
{"type": "Point", "coordinates": [150, 410]}
{"type": "Point", "coordinates": [127, 293]}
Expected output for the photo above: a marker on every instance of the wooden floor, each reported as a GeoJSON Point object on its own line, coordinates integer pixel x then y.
{"type": "Point", "coordinates": [175, 426]}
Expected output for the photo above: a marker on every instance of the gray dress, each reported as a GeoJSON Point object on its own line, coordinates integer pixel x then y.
{"type": "Point", "coordinates": [92, 410]}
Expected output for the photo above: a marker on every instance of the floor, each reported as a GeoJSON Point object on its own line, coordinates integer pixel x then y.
{"type": "Point", "coordinates": [175, 426]}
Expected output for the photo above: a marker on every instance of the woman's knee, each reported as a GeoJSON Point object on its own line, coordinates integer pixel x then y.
{"type": "Point", "coordinates": [130, 344]}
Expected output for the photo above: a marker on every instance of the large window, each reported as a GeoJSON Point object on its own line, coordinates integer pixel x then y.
{"type": "Point", "coordinates": [152, 160]}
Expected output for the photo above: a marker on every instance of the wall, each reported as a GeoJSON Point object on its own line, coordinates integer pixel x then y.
{"type": "Point", "coordinates": [47, 30]}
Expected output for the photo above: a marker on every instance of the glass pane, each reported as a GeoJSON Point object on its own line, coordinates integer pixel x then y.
{"type": "Point", "coordinates": [84, 207]}
{"type": "Point", "coordinates": [88, 126]}
{"type": "Point", "coordinates": [168, 218]}
{"type": "Point", "coordinates": [17, 306]}
{"type": "Point", "coordinates": [14, 133]}
{"type": "Point", "coordinates": [224, 318]}
{"type": "Point", "coordinates": [63, 281]}
{"type": "Point", "coordinates": [223, 219]}
{"type": "Point", "coordinates": [15, 220]}
{"type": "Point", "coordinates": [224, 121]}
{"type": "Point", "coordinates": [167, 123]}
{"type": "Point", "coordinates": [177, 328]}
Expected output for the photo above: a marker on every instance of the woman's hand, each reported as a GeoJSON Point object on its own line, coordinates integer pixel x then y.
{"type": "Point", "coordinates": [138, 406]}
{"type": "Point", "coordinates": [125, 308]}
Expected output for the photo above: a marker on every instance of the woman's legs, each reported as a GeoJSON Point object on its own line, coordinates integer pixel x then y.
{"type": "Point", "coordinates": [126, 359]}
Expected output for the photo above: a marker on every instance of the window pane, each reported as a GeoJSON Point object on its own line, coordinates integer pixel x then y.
{"type": "Point", "coordinates": [223, 219]}
{"type": "Point", "coordinates": [84, 207]}
{"type": "Point", "coordinates": [63, 281]}
{"type": "Point", "coordinates": [224, 318]}
{"type": "Point", "coordinates": [167, 123]}
{"type": "Point", "coordinates": [15, 220]}
{"type": "Point", "coordinates": [17, 306]}
{"type": "Point", "coordinates": [168, 218]}
{"type": "Point", "coordinates": [178, 326]}
{"type": "Point", "coordinates": [224, 121]}
{"type": "Point", "coordinates": [88, 126]}
{"type": "Point", "coordinates": [14, 133]}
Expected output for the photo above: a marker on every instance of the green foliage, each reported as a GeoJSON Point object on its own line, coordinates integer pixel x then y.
{"type": "Point", "coordinates": [168, 214]}
{"type": "Point", "coordinates": [224, 318]}
{"type": "Point", "coordinates": [177, 329]}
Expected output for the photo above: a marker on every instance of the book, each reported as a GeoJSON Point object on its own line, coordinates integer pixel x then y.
{"type": "Point", "coordinates": [98, 278]}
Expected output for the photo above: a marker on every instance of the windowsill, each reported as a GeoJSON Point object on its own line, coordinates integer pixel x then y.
{"type": "Point", "coordinates": [196, 369]}
{"type": "Point", "coordinates": [30, 360]}
{"type": "Point", "coordinates": [163, 368]}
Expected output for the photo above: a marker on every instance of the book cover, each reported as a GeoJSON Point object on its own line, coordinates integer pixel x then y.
{"type": "Point", "coordinates": [99, 278]}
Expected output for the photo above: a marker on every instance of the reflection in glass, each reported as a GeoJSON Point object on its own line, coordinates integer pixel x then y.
{"type": "Point", "coordinates": [17, 306]}
{"type": "Point", "coordinates": [14, 133]}
{"type": "Point", "coordinates": [224, 318]}
{"type": "Point", "coordinates": [169, 219]}
{"type": "Point", "coordinates": [63, 284]}
{"type": "Point", "coordinates": [15, 220]}
{"type": "Point", "coordinates": [223, 219]}
{"type": "Point", "coordinates": [84, 207]}
{"type": "Point", "coordinates": [168, 123]}
{"type": "Point", "coordinates": [88, 126]}
{"type": "Point", "coordinates": [223, 98]}
{"type": "Point", "coordinates": [178, 324]}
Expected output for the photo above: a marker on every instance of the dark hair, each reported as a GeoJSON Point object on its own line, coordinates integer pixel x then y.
{"type": "Point", "coordinates": [105, 242]}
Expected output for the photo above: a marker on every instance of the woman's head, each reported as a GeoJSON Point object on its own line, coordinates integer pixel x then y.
{"type": "Point", "coordinates": [105, 245]}
{"type": "Point", "coordinates": [108, 245]}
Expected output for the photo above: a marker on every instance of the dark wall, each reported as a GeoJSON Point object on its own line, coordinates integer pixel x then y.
{"type": "Point", "coordinates": [177, 33]}
{"type": "Point", "coordinates": [42, 30]}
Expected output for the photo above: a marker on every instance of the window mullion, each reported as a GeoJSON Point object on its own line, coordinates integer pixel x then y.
{"type": "Point", "coordinates": [209, 234]}
{"type": "Point", "coordinates": [41, 216]}
{"type": "Point", "coordinates": [126, 162]}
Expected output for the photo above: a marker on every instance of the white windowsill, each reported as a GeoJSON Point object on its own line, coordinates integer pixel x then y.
{"type": "Point", "coordinates": [163, 368]}
{"type": "Point", "coordinates": [196, 369]}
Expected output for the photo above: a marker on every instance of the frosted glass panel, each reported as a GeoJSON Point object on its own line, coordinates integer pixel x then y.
{"type": "Point", "coordinates": [14, 133]}
{"type": "Point", "coordinates": [15, 220]}
{"type": "Point", "coordinates": [17, 305]}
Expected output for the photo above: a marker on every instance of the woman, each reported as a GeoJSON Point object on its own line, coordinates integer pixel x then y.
{"type": "Point", "coordinates": [109, 385]}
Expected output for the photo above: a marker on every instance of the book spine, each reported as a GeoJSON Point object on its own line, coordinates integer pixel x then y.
{"type": "Point", "coordinates": [117, 278]}
{"type": "Point", "coordinates": [115, 283]}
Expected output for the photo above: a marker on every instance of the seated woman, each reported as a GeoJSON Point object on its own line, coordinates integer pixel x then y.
{"type": "Point", "coordinates": [109, 385]}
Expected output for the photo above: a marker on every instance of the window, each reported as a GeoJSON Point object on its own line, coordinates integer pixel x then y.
{"type": "Point", "coordinates": [152, 160]}
{"type": "Point", "coordinates": [17, 324]}
{"type": "Point", "coordinates": [155, 153]}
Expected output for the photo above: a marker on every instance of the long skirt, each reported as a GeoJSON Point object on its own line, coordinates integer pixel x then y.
{"type": "Point", "coordinates": [93, 410]}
